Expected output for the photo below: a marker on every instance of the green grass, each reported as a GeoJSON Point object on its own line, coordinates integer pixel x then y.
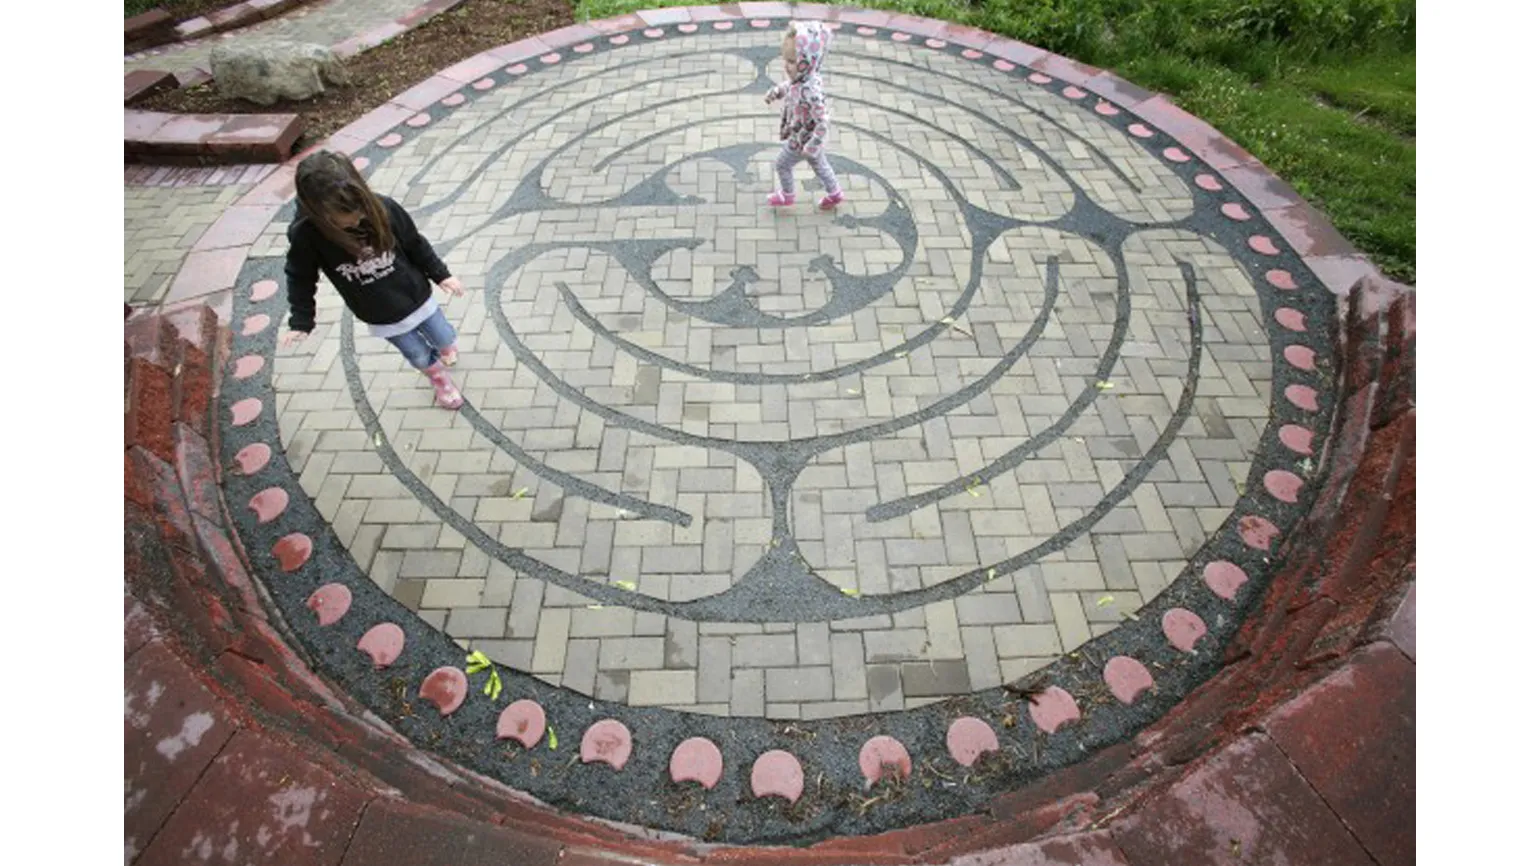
{"type": "Point", "coordinates": [1322, 91]}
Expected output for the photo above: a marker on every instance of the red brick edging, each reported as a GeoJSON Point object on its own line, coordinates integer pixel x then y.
{"type": "Point", "coordinates": [1320, 676]}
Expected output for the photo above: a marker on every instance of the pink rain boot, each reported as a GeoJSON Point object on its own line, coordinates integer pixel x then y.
{"type": "Point", "coordinates": [832, 200]}
{"type": "Point", "coordinates": [781, 199]}
{"type": "Point", "coordinates": [445, 393]}
{"type": "Point", "coordinates": [449, 356]}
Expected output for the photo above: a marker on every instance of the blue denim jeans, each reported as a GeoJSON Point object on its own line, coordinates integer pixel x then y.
{"type": "Point", "coordinates": [422, 345]}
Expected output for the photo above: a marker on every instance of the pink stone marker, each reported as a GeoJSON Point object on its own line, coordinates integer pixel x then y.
{"type": "Point", "coordinates": [261, 290]}
{"type": "Point", "coordinates": [1290, 318]}
{"type": "Point", "coordinates": [248, 366]}
{"type": "Point", "coordinates": [1208, 182]}
{"type": "Point", "coordinates": [688, 28]}
{"type": "Point", "coordinates": [1004, 65]}
{"type": "Point", "coordinates": [269, 503]}
{"type": "Point", "coordinates": [523, 721]}
{"type": "Point", "coordinates": [417, 121]}
{"type": "Point", "coordinates": [1283, 485]}
{"type": "Point", "coordinates": [453, 99]}
{"type": "Point", "coordinates": [652, 33]}
{"type": "Point", "coordinates": [723, 25]}
{"type": "Point", "coordinates": [1303, 396]}
{"type": "Point", "coordinates": [251, 459]}
{"type": "Point", "coordinates": [1258, 532]}
{"type": "Point", "coordinates": [255, 324]}
{"type": "Point", "coordinates": [968, 738]}
{"type": "Point", "coordinates": [583, 47]}
{"type": "Point", "coordinates": [330, 603]}
{"type": "Point", "coordinates": [1263, 244]}
{"type": "Point", "coordinates": [390, 140]}
{"type": "Point", "coordinates": [383, 644]}
{"type": "Point", "coordinates": [1281, 279]}
{"type": "Point", "coordinates": [1127, 678]}
{"type": "Point", "coordinates": [1106, 109]}
{"type": "Point", "coordinates": [759, 23]}
{"type": "Point", "coordinates": [1073, 92]}
{"type": "Point", "coordinates": [609, 741]}
{"type": "Point", "coordinates": [243, 412]}
{"type": "Point", "coordinates": [360, 162]}
{"type": "Point", "coordinates": [1052, 709]}
{"type": "Point", "coordinates": [1175, 154]}
{"type": "Point", "coordinates": [883, 755]}
{"type": "Point", "coordinates": [1299, 357]}
{"type": "Point", "coordinates": [292, 551]}
{"type": "Point", "coordinates": [867, 31]}
{"type": "Point", "coordinates": [1183, 628]}
{"type": "Point", "coordinates": [1139, 130]}
{"type": "Point", "coordinates": [516, 69]}
{"type": "Point", "coordinates": [1235, 211]}
{"type": "Point", "coordinates": [1224, 578]}
{"type": "Point", "coordinates": [696, 759]}
{"type": "Point", "coordinates": [1297, 439]}
{"type": "Point", "coordinates": [934, 43]}
{"type": "Point", "coordinates": [778, 773]}
{"type": "Point", "coordinates": [551, 58]}
{"type": "Point", "coordinates": [484, 84]}
{"type": "Point", "coordinates": [1039, 78]}
{"type": "Point", "coordinates": [619, 39]}
{"type": "Point", "coordinates": [901, 37]}
{"type": "Point", "coordinates": [971, 54]}
{"type": "Point", "coordinates": [445, 688]}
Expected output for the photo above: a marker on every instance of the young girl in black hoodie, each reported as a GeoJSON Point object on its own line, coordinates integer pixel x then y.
{"type": "Point", "coordinates": [371, 251]}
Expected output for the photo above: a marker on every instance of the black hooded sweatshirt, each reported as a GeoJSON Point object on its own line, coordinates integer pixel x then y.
{"type": "Point", "coordinates": [379, 289]}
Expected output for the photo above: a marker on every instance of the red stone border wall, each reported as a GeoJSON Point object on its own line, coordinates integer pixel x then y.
{"type": "Point", "coordinates": [1326, 650]}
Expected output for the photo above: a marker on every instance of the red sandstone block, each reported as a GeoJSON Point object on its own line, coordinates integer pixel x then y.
{"type": "Point", "coordinates": [228, 566]}
{"type": "Point", "coordinates": [1402, 630]}
{"type": "Point", "coordinates": [1066, 70]}
{"type": "Point", "coordinates": [172, 729]}
{"type": "Point", "coordinates": [193, 28]}
{"type": "Point", "coordinates": [572, 34]}
{"type": "Point", "coordinates": [139, 626]}
{"type": "Point", "coordinates": [183, 134]}
{"type": "Point", "coordinates": [473, 68]}
{"type": "Point", "coordinates": [662, 17]}
{"type": "Point", "coordinates": [271, 8]}
{"type": "Point", "coordinates": [1118, 91]}
{"type": "Point", "coordinates": [147, 22]}
{"type": "Point", "coordinates": [195, 472]}
{"type": "Point", "coordinates": [395, 832]}
{"type": "Point", "coordinates": [378, 122]}
{"type": "Point", "coordinates": [1353, 736]}
{"type": "Point", "coordinates": [264, 801]}
{"type": "Point", "coordinates": [420, 96]}
{"type": "Point", "coordinates": [148, 415]}
{"type": "Point", "coordinates": [1081, 849]}
{"type": "Point", "coordinates": [143, 83]}
{"type": "Point", "coordinates": [139, 126]}
{"type": "Point", "coordinates": [426, 11]}
{"type": "Point", "coordinates": [1245, 805]}
{"type": "Point", "coordinates": [247, 138]}
{"type": "Point", "coordinates": [1308, 230]}
{"type": "Point", "coordinates": [231, 17]}
{"type": "Point", "coordinates": [622, 23]}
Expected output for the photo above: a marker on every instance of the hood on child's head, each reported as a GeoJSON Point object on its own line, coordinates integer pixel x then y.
{"type": "Point", "coordinates": [810, 40]}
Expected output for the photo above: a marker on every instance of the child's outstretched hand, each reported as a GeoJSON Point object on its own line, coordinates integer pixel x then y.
{"type": "Point", "coordinates": [452, 286]}
{"type": "Point", "coordinates": [293, 338]}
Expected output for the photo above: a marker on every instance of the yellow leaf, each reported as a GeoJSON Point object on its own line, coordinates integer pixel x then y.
{"type": "Point", "coordinates": [550, 737]}
{"type": "Point", "coordinates": [626, 585]}
{"type": "Point", "coordinates": [521, 493]}
{"type": "Point", "coordinates": [378, 438]}
{"type": "Point", "coordinates": [854, 391]}
{"type": "Point", "coordinates": [596, 607]}
{"type": "Point", "coordinates": [991, 575]}
{"type": "Point", "coordinates": [1105, 386]}
{"type": "Point", "coordinates": [947, 320]}
{"type": "Point", "coordinates": [1105, 600]}
{"type": "Point", "coordinates": [851, 592]}
{"type": "Point", "coordinates": [901, 354]}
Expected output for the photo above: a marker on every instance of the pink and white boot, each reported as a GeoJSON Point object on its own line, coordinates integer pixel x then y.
{"type": "Point", "coordinates": [445, 393]}
{"type": "Point", "coordinates": [832, 200]}
{"type": "Point", "coordinates": [449, 356]}
{"type": "Point", "coordinates": [781, 199]}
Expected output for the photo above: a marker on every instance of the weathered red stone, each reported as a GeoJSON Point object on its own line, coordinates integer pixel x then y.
{"type": "Point", "coordinates": [394, 831]}
{"type": "Point", "coordinates": [147, 421]}
{"type": "Point", "coordinates": [1403, 625]}
{"type": "Point", "coordinates": [1258, 532]}
{"type": "Point", "coordinates": [195, 472]}
{"type": "Point", "coordinates": [1245, 805]}
{"type": "Point", "coordinates": [262, 801]}
{"type": "Point", "coordinates": [610, 741]}
{"type": "Point", "coordinates": [777, 773]}
{"type": "Point", "coordinates": [445, 688]}
{"type": "Point", "coordinates": [969, 737]}
{"type": "Point", "coordinates": [522, 720]}
{"type": "Point", "coordinates": [698, 760]}
{"type": "Point", "coordinates": [1080, 849]}
{"type": "Point", "coordinates": [383, 644]}
{"type": "Point", "coordinates": [172, 729]}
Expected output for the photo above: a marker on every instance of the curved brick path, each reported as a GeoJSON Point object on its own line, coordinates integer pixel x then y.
{"type": "Point", "coordinates": [616, 512]}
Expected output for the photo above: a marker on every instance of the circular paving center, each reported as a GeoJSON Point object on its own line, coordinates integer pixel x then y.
{"type": "Point", "coordinates": [1043, 379]}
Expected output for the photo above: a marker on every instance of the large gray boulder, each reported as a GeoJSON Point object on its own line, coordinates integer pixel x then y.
{"type": "Point", "coordinates": [267, 73]}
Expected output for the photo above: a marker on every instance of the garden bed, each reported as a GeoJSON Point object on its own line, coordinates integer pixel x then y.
{"type": "Point", "coordinates": [381, 73]}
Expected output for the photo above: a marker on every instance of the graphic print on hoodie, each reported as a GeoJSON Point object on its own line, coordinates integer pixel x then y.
{"type": "Point", "coordinates": [805, 117]}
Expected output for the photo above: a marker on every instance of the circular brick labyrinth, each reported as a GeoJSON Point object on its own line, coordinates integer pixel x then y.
{"type": "Point", "coordinates": [1038, 400]}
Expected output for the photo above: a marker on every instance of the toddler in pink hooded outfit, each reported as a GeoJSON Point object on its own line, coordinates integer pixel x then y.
{"type": "Point", "coordinates": [805, 118]}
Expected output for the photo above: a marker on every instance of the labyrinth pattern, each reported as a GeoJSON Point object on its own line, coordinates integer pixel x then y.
{"type": "Point", "coordinates": [1042, 380]}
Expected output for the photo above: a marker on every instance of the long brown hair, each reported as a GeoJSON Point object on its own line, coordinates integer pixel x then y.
{"type": "Point", "coordinates": [327, 184]}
